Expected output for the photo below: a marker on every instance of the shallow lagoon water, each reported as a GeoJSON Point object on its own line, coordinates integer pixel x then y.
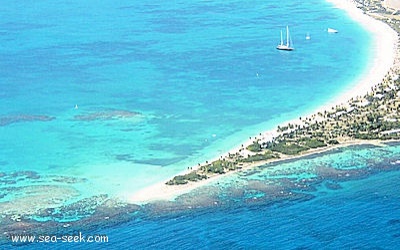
{"type": "Point", "coordinates": [160, 86]}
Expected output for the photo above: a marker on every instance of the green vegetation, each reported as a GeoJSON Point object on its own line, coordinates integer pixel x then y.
{"type": "Point", "coordinates": [184, 179]}
{"type": "Point", "coordinates": [254, 147]}
{"type": "Point", "coordinates": [217, 167]}
{"type": "Point", "coordinates": [333, 142]}
{"type": "Point", "coordinates": [287, 148]}
{"type": "Point", "coordinates": [260, 157]}
{"type": "Point", "coordinates": [313, 143]}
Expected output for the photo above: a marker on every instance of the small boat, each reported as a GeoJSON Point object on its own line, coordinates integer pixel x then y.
{"type": "Point", "coordinates": [308, 37]}
{"type": "Point", "coordinates": [330, 30]}
{"type": "Point", "coordinates": [288, 45]}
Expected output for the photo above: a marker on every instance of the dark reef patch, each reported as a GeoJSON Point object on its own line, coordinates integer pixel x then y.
{"type": "Point", "coordinates": [332, 185]}
{"type": "Point", "coordinates": [10, 119]}
{"type": "Point", "coordinates": [18, 176]}
{"type": "Point", "coordinates": [106, 115]}
{"type": "Point", "coordinates": [160, 161]}
{"type": "Point", "coordinates": [150, 161]}
{"type": "Point", "coordinates": [86, 214]}
{"type": "Point", "coordinates": [68, 179]}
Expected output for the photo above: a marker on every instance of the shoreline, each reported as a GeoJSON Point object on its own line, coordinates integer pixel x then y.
{"type": "Point", "coordinates": [160, 191]}
{"type": "Point", "coordinates": [383, 59]}
{"type": "Point", "coordinates": [384, 51]}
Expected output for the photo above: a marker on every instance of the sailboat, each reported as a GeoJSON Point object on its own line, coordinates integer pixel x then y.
{"type": "Point", "coordinates": [286, 46]}
{"type": "Point", "coordinates": [330, 30]}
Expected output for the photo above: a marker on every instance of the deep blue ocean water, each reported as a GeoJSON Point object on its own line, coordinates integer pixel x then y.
{"type": "Point", "coordinates": [365, 215]}
{"type": "Point", "coordinates": [108, 97]}
{"type": "Point", "coordinates": [359, 210]}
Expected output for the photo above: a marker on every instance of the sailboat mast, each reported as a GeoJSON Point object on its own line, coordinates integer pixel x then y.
{"type": "Point", "coordinates": [286, 45]}
{"type": "Point", "coordinates": [287, 36]}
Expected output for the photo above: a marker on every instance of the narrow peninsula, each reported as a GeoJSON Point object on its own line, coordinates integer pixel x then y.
{"type": "Point", "coordinates": [368, 118]}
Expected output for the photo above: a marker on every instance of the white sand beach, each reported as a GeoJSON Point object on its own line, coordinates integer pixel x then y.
{"type": "Point", "coordinates": [383, 51]}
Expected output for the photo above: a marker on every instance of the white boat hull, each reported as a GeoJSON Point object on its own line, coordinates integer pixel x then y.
{"type": "Point", "coordinates": [284, 47]}
{"type": "Point", "coordinates": [330, 30]}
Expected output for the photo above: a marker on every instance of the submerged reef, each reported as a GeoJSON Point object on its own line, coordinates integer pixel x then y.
{"type": "Point", "coordinates": [38, 207]}
{"type": "Point", "coordinates": [33, 204]}
{"type": "Point", "coordinates": [84, 215]}
{"type": "Point", "coordinates": [106, 115]}
{"type": "Point", "coordinates": [294, 180]}
{"type": "Point", "coordinates": [10, 119]}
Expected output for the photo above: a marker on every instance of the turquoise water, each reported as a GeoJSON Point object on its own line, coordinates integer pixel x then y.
{"type": "Point", "coordinates": [191, 79]}
{"type": "Point", "coordinates": [105, 98]}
